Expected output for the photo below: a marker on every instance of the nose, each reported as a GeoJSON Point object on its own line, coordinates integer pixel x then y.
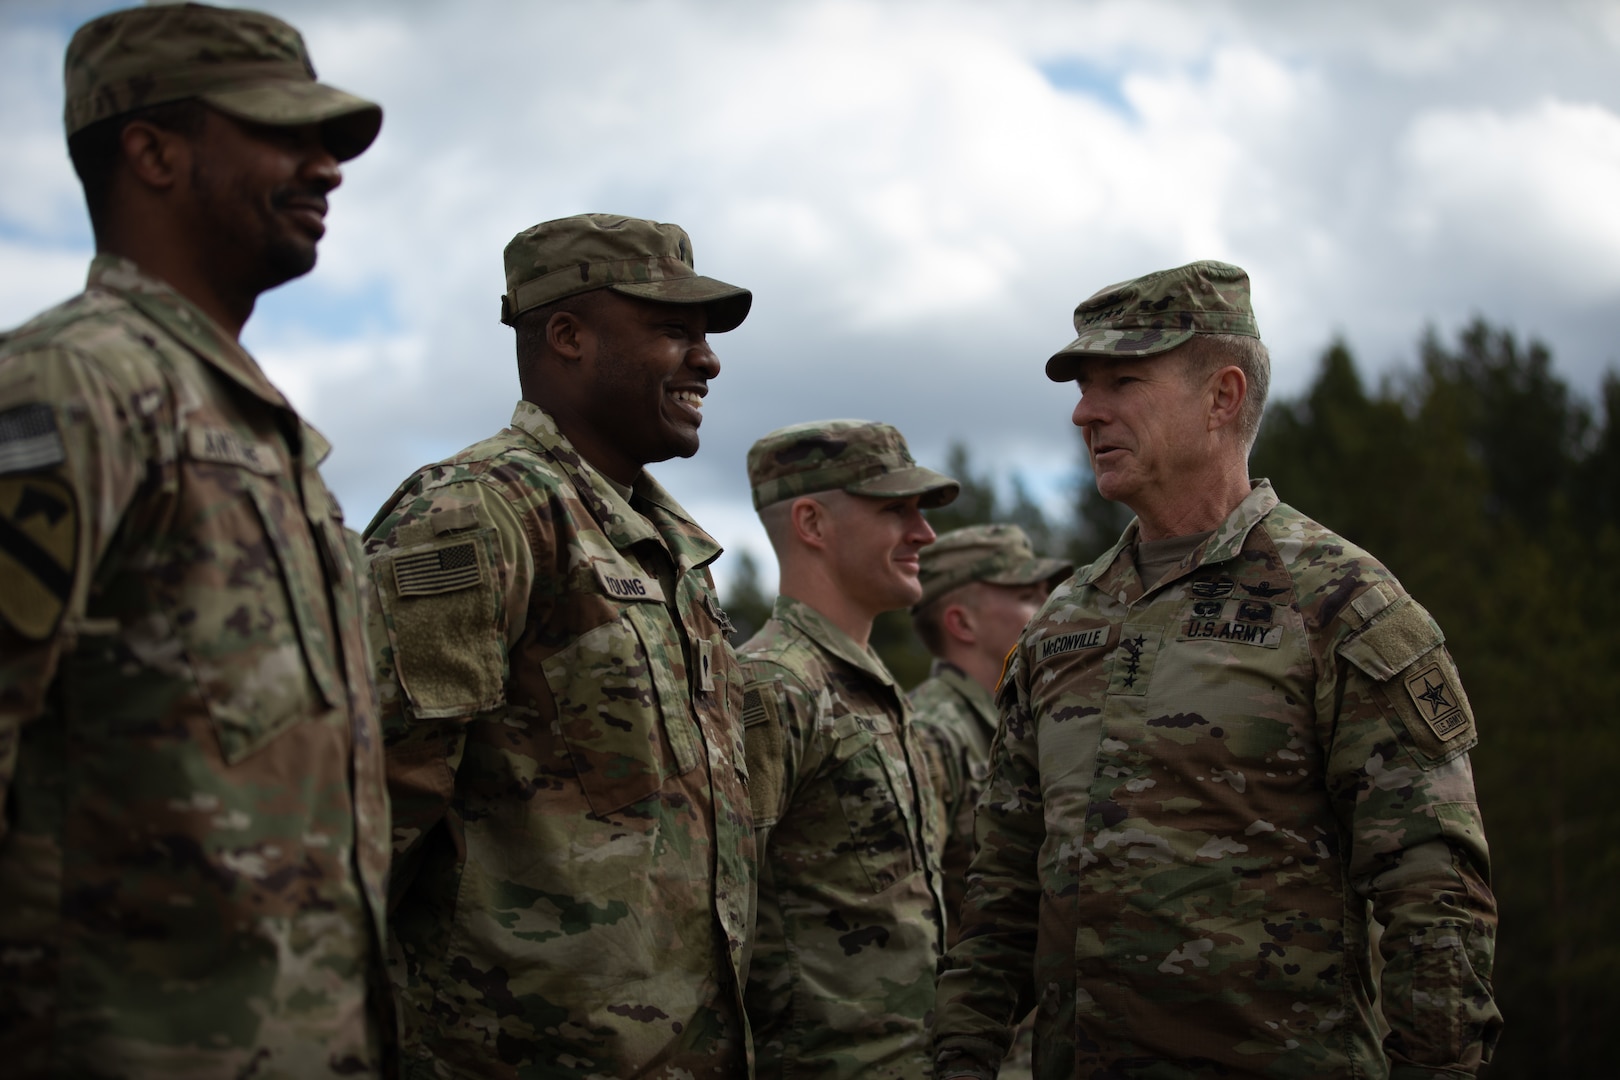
{"type": "Point", "coordinates": [320, 165]}
{"type": "Point", "coordinates": [702, 358]}
{"type": "Point", "coordinates": [1086, 411]}
{"type": "Point", "coordinates": [919, 532]}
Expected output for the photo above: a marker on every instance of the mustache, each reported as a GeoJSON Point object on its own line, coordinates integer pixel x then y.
{"type": "Point", "coordinates": [301, 198]}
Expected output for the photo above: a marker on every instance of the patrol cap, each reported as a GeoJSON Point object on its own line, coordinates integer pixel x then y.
{"type": "Point", "coordinates": [246, 64]}
{"type": "Point", "coordinates": [633, 256]}
{"type": "Point", "coordinates": [1155, 313]}
{"type": "Point", "coordinates": [857, 456]}
{"type": "Point", "coordinates": [993, 554]}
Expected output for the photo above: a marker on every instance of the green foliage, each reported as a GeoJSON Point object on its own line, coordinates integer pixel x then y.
{"type": "Point", "coordinates": [1491, 491]}
{"type": "Point", "coordinates": [745, 602]}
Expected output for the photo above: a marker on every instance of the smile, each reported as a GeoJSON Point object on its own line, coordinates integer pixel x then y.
{"type": "Point", "coordinates": [690, 398]}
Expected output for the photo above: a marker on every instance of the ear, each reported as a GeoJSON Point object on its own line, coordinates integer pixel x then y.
{"type": "Point", "coordinates": [568, 336]}
{"type": "Point", "coordinates": [957, 622]}
{"type": "Point", "coordinates": [811, 522]}
{"type": "Point", "coordinates": [1226, 388]}
{"type": "Point", "coordinates": [156, 158]}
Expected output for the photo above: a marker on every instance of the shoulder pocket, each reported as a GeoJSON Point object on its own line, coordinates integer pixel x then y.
{"type": "Point", "coordinates": [762, 735]}
{"type": "Point", "coordinates": [1402, 651]}
{"type": "Point", "coordinates": [441, 606]}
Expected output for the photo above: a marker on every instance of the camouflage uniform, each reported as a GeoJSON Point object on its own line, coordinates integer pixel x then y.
{"type": "Point", "coordinates": [193, 847]}
{"type": "Point", "coordinates": [194, 850]}
{"type": "Point", "coordinates": [574, 852]}
{"type": "Point", "coordinates": [1200, 793]}
{"type": "Point", "coordinates": [851, 917]}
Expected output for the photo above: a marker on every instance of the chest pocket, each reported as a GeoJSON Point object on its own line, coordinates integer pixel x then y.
{"type": "Point", "coordinates": [249, 602]}
{"type": "Point", "coordinates": [612, 686]}
{"type": "Point", "coordinates": [873, 797]}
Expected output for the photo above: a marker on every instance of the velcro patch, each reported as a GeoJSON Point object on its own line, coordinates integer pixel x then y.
{"type": "Point", "coordinates": [29, 439]}
{"type": "Point", "coordinates": [762, 735]}
{"type": "Point", "coordinates": [442, 570]}
{"type": "Point", "coordinates": [228, 448]}
{"type": "Point", "coordinates": [1438, 702]}
{"type": "Point", "coordinates": [39, 544]}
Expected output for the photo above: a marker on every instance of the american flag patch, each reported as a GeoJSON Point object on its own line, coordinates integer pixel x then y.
{"type": "Point", "coordinates": [29, 439]}
{"type": "Point", "coordinates": [443, 570]}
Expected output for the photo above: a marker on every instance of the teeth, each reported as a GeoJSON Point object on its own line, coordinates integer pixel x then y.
{"type": "Point", "coordinates": [688, 398]}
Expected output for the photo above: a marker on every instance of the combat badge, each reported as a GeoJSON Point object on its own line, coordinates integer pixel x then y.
{"type": "Point", "coordinates": [39, 543]}
{"type": "Point", "coordinates": [1438, 702]}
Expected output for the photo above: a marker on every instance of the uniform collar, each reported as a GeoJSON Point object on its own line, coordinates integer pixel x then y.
{"type": "Point", "coordinates": [1114, 574]}
{"type": "Point", "coordinates": [967, 688]}
{"type": "Point", "coordinates": [658, 517]}
{"type": "Point", "coordinates": [191, 327]}
{"type": "Point", "coordinates": [819, 629]}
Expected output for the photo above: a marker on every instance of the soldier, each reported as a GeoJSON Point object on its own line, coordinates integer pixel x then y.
{"type": "Point", "coordinates": [850, 917]}
{"type": "Point", "coordinates": [574, 852]}
{"type": "Point", "coordinates": [193, 851]}
{"type": "Point", "coordinates": [1224, 745]}
{"type": "Point", "coordinates": [980, 586]}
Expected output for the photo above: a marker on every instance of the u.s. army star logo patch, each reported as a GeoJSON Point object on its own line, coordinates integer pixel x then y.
{"type": "Point", "coordinates": [1437, 701]}
{"type": "Point", "coordinates": [39, 543]}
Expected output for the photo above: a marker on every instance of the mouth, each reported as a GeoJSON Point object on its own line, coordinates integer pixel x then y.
{"type": "Point", "coordinates": [689, 400]}
{"type": "Point", "coordinates": [309, 211]}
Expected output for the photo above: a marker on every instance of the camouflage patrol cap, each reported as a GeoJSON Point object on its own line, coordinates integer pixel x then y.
{"type": "Point", "coordinates": [633, 256]}
{"type": "Point", "coordinates": [1155, 313]}
{"type": "Point", "coordinates": [246, 64]}
{"type": "Point", "coordinates": [857, 456]}
{"type": "Point", "coordinates": [993, 554]}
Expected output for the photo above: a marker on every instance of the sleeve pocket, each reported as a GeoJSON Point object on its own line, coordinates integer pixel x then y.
{"type": "Point", "coordinates": [441, 608]}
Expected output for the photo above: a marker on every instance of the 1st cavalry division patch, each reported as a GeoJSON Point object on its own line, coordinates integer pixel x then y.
{"type": "Point", "coordinates": [39, 543]}
{"type": "Point", "coordinates": [1438, 702]}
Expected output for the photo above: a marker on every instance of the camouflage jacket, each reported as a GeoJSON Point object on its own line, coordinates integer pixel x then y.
{"type": "Point", "coordinates": [957, 718]}
{"type": "Point", "coordinates": [1199, 794]}
{"type": "Point", "coordinates": [573, 843]}
{"type": "Point", "coordinates": [850, 916]}
{"type": "Point", "coordinates": [194, 843]}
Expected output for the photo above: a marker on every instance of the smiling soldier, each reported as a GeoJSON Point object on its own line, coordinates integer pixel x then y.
{"type": "Point", "coordinates": [1225, 745]}
{"type": "Point", "coordinates": [574, 854]}
{"type": "Point", "coordinates": [851, 916]}
{"type": "Point", "coordinates": [194, 846]}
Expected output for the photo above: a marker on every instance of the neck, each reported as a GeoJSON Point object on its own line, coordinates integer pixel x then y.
{"type": "Point", "coordinates": [173, 263]}
{"type": "Point", "coordinates": [1199, 504]}
{"type": "Point", "coordinates": [813, 588]}
{"type": "Point", "coordinates": [982, 669]}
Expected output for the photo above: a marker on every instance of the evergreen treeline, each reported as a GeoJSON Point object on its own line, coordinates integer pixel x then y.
{"type": "Point", "coordinates": [1493, 492]}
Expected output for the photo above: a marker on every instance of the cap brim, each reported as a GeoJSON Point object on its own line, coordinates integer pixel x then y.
{"type": "Point", "coordinates": [1064, 366]}
{"type": "Point", "coordinates": [727, 305]}
{"type": "Point", "coordinates": [1031, 572]}
{"type": "Point", "coordinates": [349, 124]}
{"type": "Point", "coordinates": [935, 488]}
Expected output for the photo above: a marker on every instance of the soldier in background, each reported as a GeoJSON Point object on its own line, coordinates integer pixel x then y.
{"type": "Point", "coordinates": [851, 918]}
{"type": "Point", "coordinates": [1224, 745]}
{"type": "Point", "coordinates": [980, 587]}
{"type": "Point", "coordinates": [574, 853]}
{"type": "Point", "coordinates": [193, 850]}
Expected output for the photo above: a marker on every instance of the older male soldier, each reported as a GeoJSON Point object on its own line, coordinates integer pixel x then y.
{"type": "Point", "coordinates": [851, 916]}
{"type": "Point", "coordinates": [980, 587]}
{"type": "Point", "coordinates": [194, 841]}
{"type": "Point", "coordinates": [1226, 743]}
{"type": "Point", "coordinates": [563, 715]}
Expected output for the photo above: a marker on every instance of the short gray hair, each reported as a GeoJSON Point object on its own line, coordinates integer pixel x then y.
{"type": "Point", "coordinates": [1206, 354]}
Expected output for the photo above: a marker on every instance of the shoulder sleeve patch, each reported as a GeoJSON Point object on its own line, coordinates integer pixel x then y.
{"type": "Point", "coordinates": [1402, 650]}
{"type": "Point", "coordinates": [39, 545]}
{"type": "Point", "coordinates": [447, 568]}
{"type": "Point", "coordinates": [762, 733]}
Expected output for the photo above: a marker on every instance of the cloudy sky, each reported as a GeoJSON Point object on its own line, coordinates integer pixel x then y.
{"type": "Point", "coordinates": [917, 193]}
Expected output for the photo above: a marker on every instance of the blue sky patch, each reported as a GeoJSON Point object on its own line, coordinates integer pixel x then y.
{"type": "Point", "coordinates": [1073, 75]}
{"type": "Point", "coordinates": [310, 307]}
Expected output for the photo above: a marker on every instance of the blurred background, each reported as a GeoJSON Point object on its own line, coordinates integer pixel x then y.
{"type": "Point", "coordinates": [920, 192]}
